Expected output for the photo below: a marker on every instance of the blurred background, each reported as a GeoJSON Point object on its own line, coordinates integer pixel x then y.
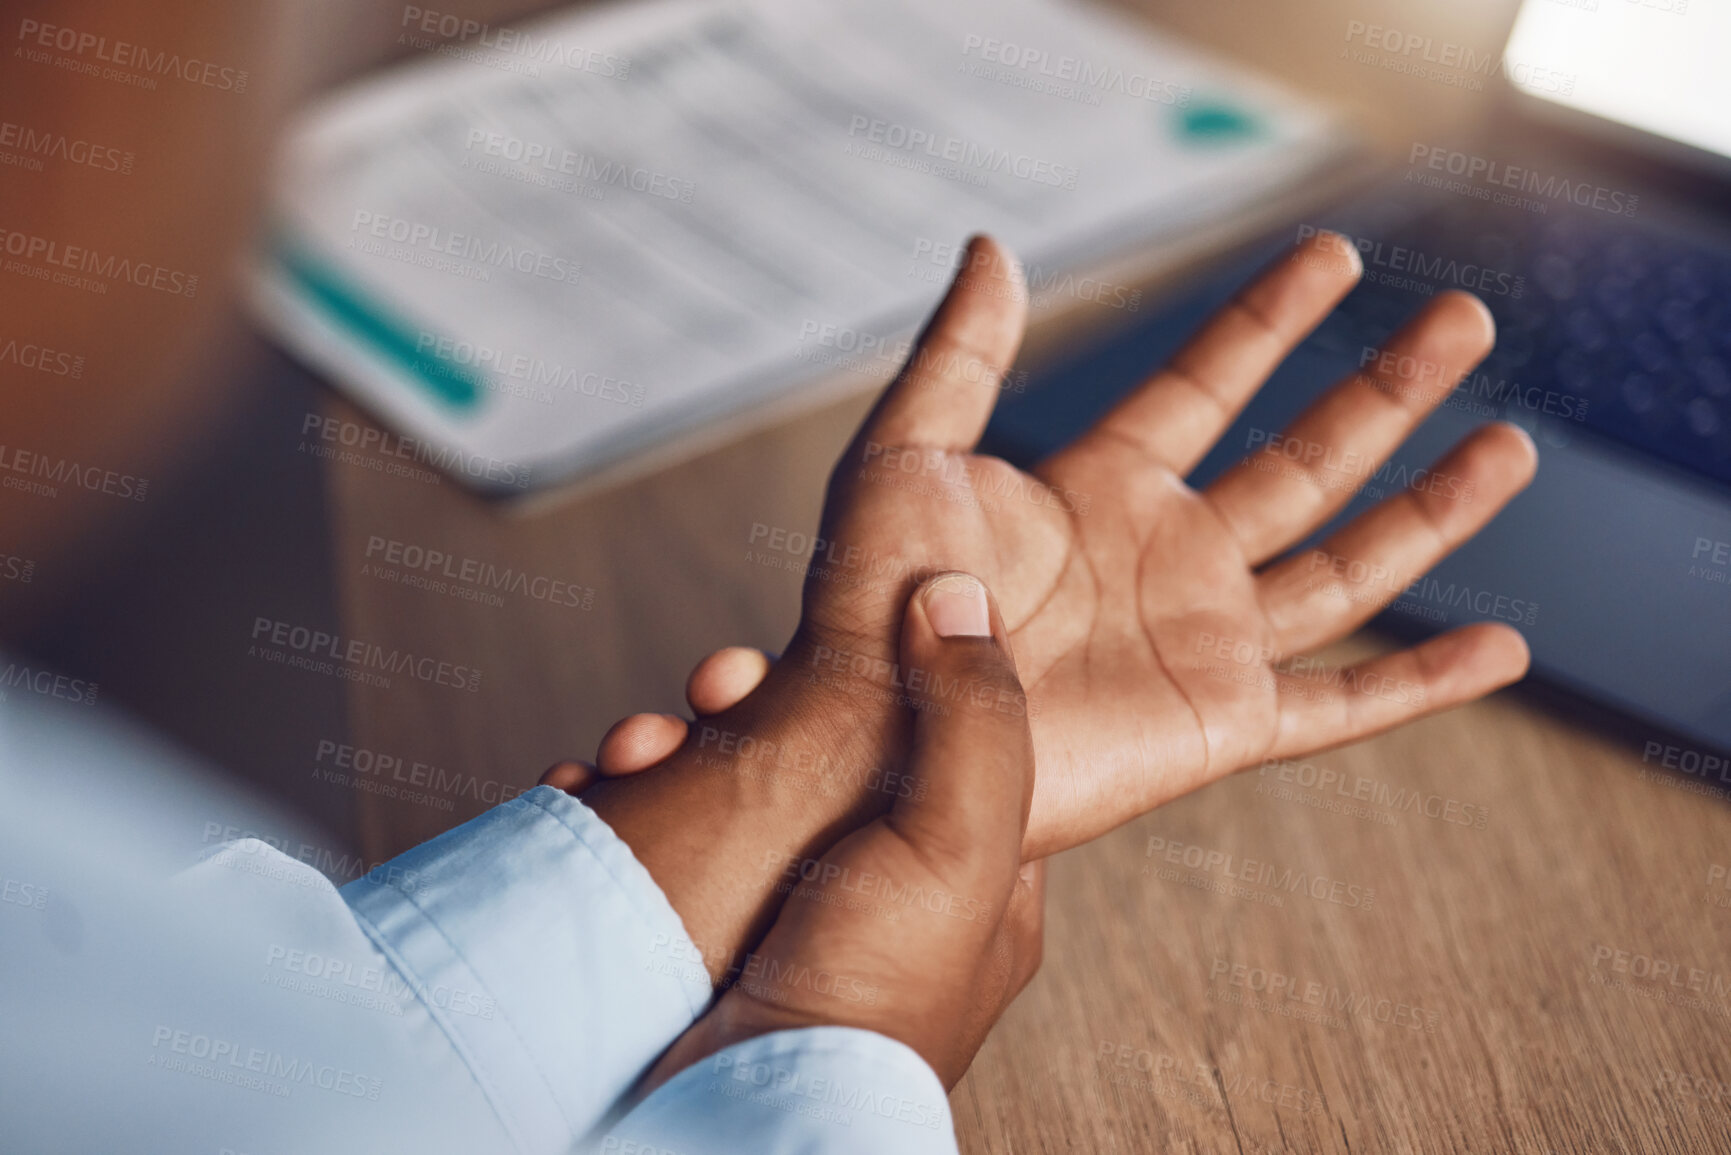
{"type": "Point", "coordinates": [231, 510]}
{"type": "Point", "coordinates": [144, 598]}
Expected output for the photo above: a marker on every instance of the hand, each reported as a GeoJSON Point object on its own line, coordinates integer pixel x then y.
{"type": "Point", "coordinates": [923, 925]}
{"type": "Point", "coordinates": [1117, 611]}
{"type": "Point", "coordinates": [1151, 621]}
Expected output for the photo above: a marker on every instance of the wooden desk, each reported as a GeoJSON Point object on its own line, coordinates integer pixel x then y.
{"type": "Point", "coordinates": [1496, 995]}
{"type": "Point", "coordinates": [1480, 1003]}
{"type": "Point", "coordinates": [1499, 944]}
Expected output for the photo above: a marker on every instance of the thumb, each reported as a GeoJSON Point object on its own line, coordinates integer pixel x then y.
{"type": "Point", "coordinates": [972, 759]}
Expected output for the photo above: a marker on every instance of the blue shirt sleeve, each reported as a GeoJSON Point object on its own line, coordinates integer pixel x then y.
{"type": "Point", "coordinates": [828, 1090]}
{"type": "Point", "coordinates": [587, 969]}
{"type": "Point", "coordinates": [499, 988]}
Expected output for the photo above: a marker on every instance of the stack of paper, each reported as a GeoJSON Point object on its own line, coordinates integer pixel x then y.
{"type": "Point", "coordinates": [539, 251]}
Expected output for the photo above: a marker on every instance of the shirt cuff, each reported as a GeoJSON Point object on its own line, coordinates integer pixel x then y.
{"type": "Point", "coordinates": [546, 954]}
{"type": "Point", "coordinates": [834, 1090]}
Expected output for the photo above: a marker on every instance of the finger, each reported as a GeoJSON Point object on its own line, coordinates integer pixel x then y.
{"type": "Point", "coordinates": [572, 777]}
{"type": "Point", "coordinates": [639, 742]}
{"type": "Point", "coordinates": [1322, 594]}
{"type": "Point", "coordinates": [944, 394]}
{"type": "Point", "coordinates": [1321, 708]}
{"type": "Point", "coordinates": [1181, 411]}
{"type": "Point", "coordinates": [723, 679]}
{"type": "Point", "coordinates": [1302, 476]}
{"type": "Point", "coordinates": [972, 757]}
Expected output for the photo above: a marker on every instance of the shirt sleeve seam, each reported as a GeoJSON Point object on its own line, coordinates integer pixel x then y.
{"type": "Point", "coordinates": [419, 986]}
{"type": "Point", "coordinates": [649, 914]}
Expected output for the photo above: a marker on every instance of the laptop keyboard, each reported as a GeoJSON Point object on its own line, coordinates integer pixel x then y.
{"type": "Point", "coordinates": [1613, 323]}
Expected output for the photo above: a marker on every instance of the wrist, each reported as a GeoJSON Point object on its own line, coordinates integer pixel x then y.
{"type": "Point", "coordinates": [726, 823]}
{"type": "Point", "coordinates": [812, 745]}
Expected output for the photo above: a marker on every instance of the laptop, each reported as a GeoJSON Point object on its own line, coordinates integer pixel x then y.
{"type": "Point", "coordinates": [1593, 220]}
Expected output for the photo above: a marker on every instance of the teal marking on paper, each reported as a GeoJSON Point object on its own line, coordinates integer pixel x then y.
{"type": "Point", "coordinates": [390, 336]}
{"type": "Point", "coordinates": [1216, 122]}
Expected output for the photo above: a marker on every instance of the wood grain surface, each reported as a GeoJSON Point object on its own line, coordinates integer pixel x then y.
{"type": "Point", "coordinates": [1498, 995]}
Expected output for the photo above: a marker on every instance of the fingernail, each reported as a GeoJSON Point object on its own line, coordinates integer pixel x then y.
{"type": "Point", "coordinates": [956, 607]}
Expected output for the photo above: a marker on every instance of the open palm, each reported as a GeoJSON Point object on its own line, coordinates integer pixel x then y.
{"type": "Point", "coordinates": [1155, 625]}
